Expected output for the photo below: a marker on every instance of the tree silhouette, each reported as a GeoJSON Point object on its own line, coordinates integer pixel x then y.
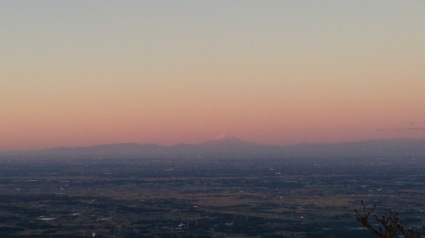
{"type": "Point", "coordinates": [386, 226]}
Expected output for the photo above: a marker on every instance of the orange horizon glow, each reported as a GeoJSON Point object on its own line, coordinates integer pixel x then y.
{"type": "Point", "coordinates": [86, 73]}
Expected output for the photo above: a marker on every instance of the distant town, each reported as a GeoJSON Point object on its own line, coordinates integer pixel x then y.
{"type": "Point", "coordinates": [222, 195]}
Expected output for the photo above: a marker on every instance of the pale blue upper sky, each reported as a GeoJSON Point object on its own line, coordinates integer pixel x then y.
{"type": "Point", "coordinates": [270, 71]}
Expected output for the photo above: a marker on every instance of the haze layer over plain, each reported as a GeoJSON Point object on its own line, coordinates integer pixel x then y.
{"type": "Point", "coordinates": [90, 72]}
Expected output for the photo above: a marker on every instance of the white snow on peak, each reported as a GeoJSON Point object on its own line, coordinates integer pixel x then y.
{"type": "Point", "coordinates": [225, 136]}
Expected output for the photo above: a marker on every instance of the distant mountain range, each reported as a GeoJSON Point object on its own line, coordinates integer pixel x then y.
{"type": "Point", "coordinates": [232, 146]}
{"type": "Point", "coordinates": [227, 145]}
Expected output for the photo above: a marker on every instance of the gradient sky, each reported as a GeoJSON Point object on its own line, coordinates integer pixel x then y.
{"type": "Point", "coordinates": [76, 73]}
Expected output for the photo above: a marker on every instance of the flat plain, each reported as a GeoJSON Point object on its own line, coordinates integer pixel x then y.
{"type": "Point", "coordinates": [218, 196]}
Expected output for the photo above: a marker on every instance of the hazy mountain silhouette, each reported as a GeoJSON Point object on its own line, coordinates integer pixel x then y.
{"type": "Point", "coordinates": [230, 145]}
{"type": "Point", "coordinates": [383, 146]}
{"type": "Point", "coordinates": [224, 144]}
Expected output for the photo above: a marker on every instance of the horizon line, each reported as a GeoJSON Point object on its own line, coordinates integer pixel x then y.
{"type": "Point", "coordinates": [211, 140]}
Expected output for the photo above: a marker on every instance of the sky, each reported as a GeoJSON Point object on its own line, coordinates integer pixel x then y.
{"type": "Point", "coordinates": [78, 73]}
